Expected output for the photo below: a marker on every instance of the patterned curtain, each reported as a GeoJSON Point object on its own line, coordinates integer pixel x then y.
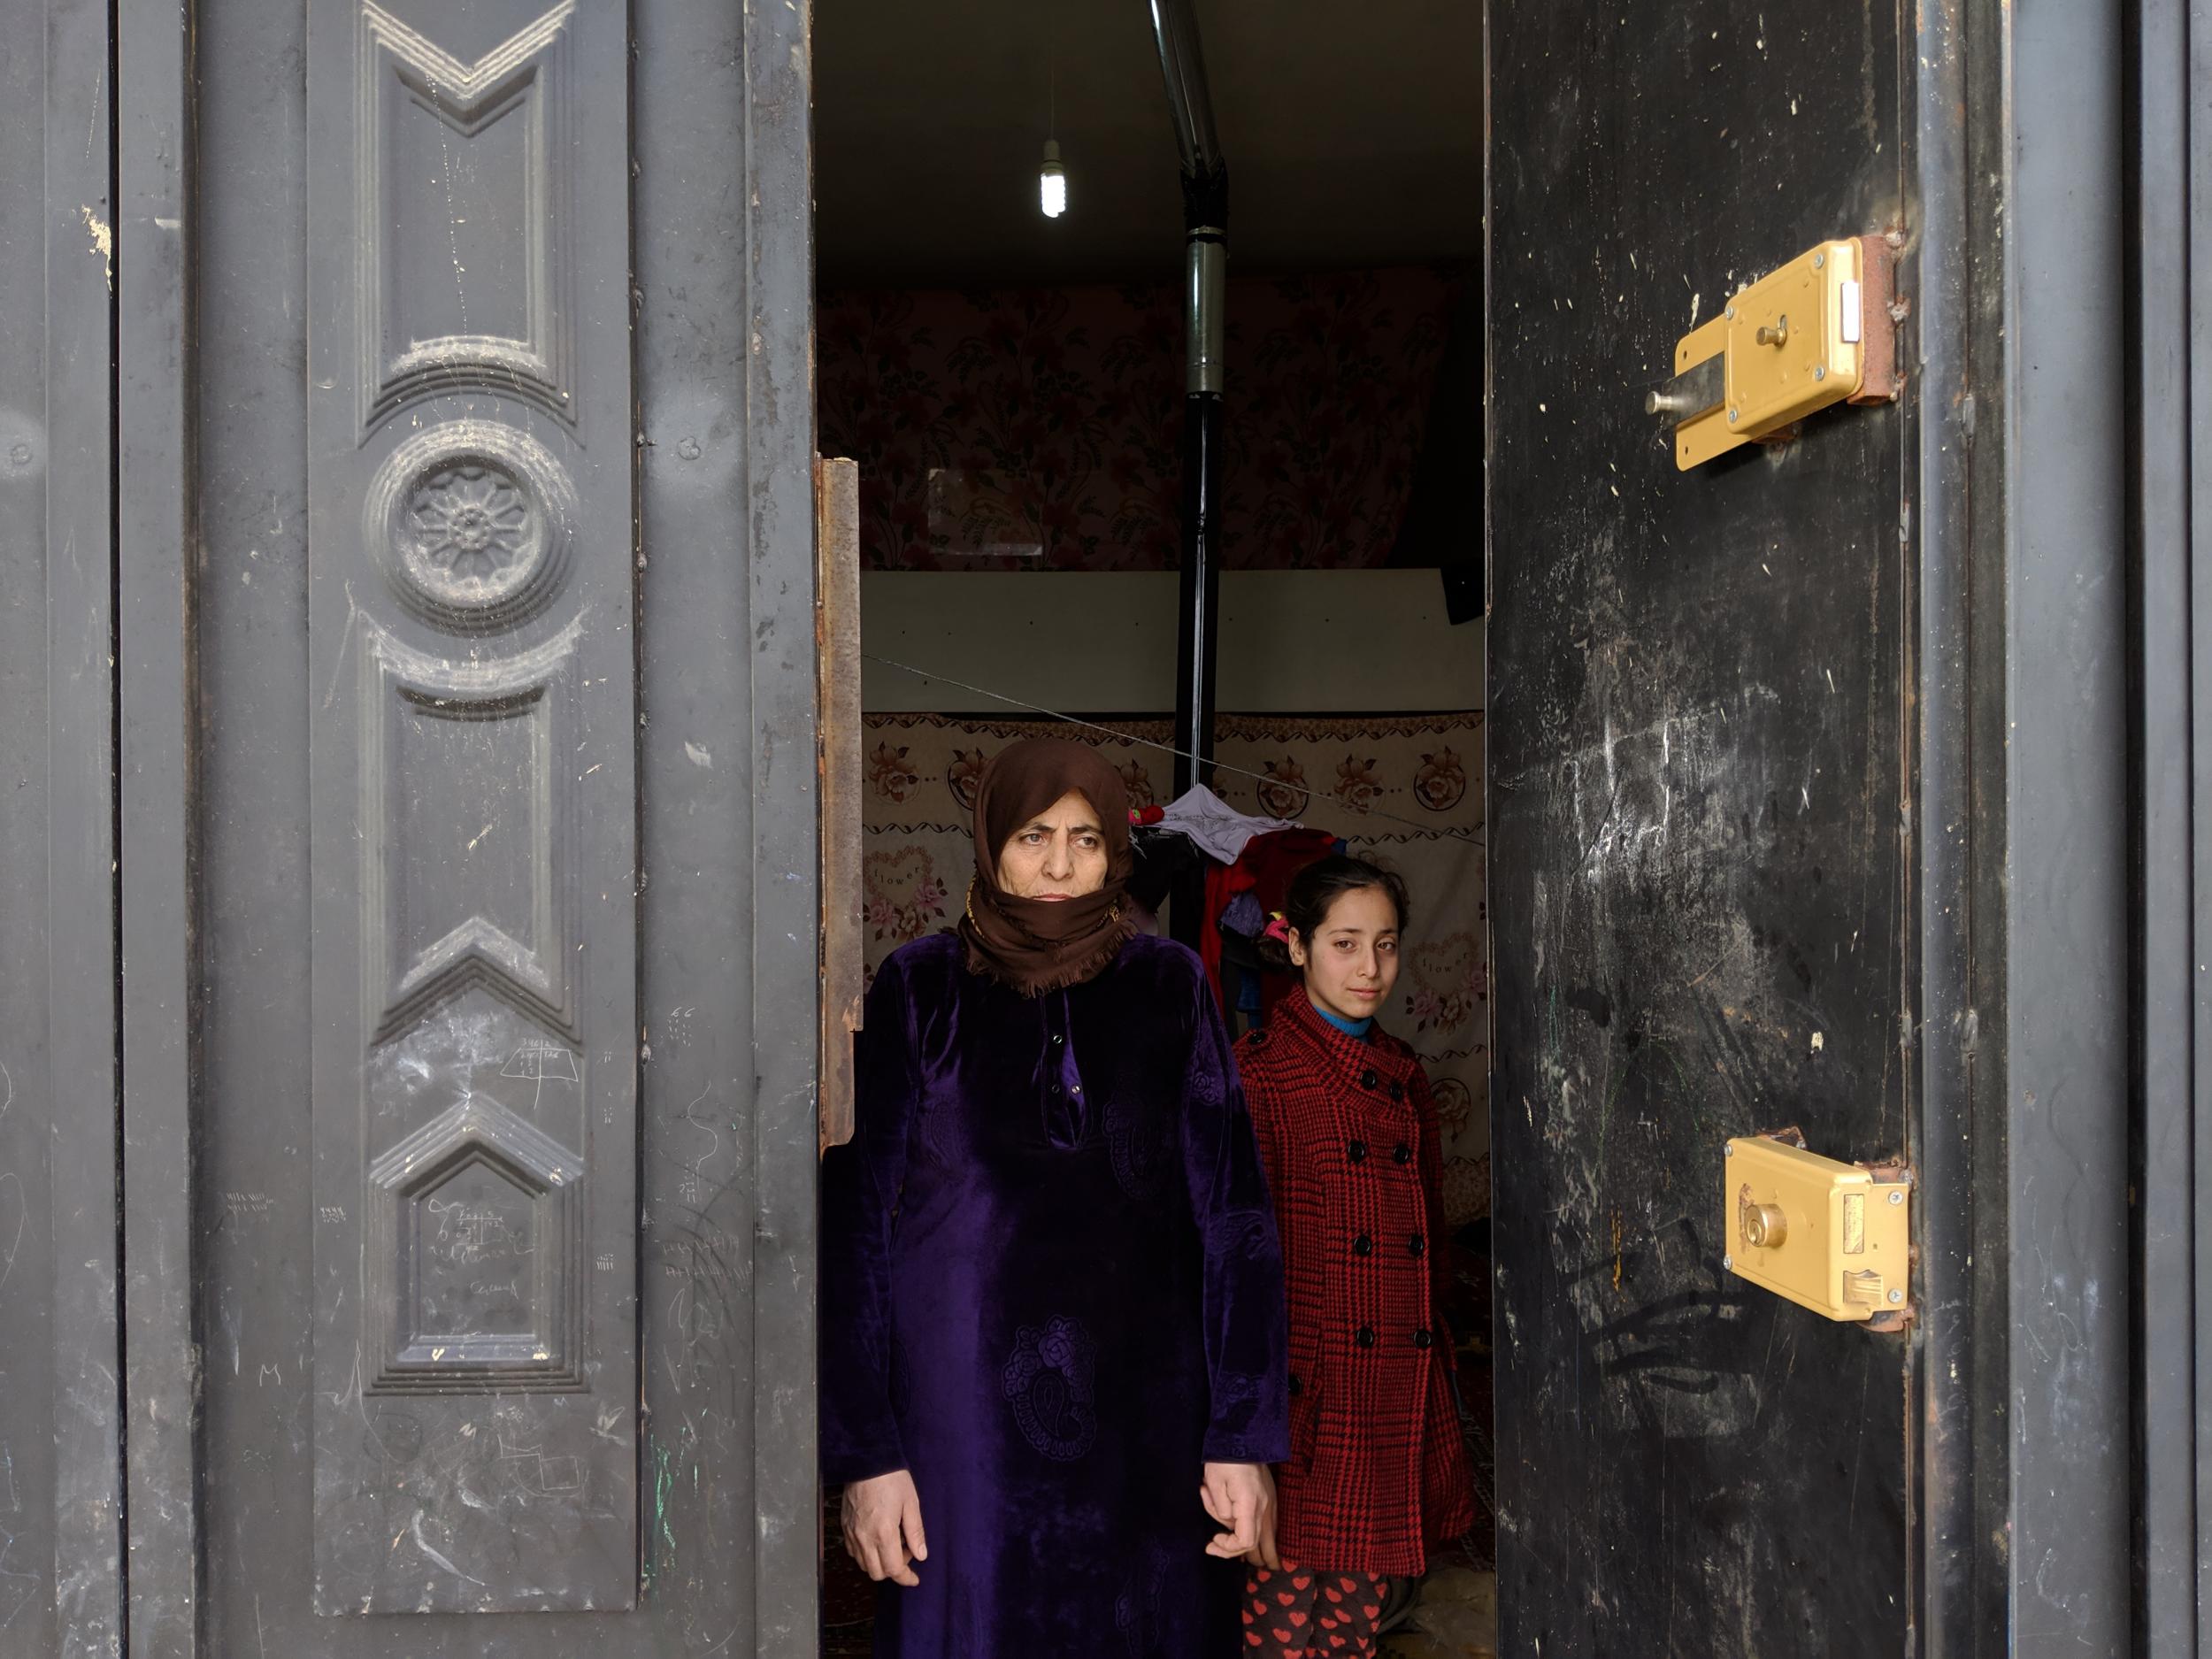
{"type": "Point", "coordinates": [1040, 428]}
{"type": "Point", "coordinates": [1406, 789]}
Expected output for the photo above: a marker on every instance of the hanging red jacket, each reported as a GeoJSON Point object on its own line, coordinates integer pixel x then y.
{"type": "Point", "coordinates": [1377, 1468]}
{"type": "Point", "coordinates": [1263, 870]}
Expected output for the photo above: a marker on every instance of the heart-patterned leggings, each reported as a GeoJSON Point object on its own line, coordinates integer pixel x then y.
{"type": "Point", "coordinates": [1305, 1611]}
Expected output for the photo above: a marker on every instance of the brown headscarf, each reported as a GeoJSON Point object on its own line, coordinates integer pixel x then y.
{"type": "Point", "coordinates": [1033, 945]}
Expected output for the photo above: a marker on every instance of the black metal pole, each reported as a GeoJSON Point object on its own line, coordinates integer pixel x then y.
{"type": "Point", "coordinates": [1200, 591]}
{"type": "Point", "coordinates": [1195, 633]}
{"type": "Point", "coordinates": [1205, 234]}
{"type": "Point", "coordinates": [1198, 616]}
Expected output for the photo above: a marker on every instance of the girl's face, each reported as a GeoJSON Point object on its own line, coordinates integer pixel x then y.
{"type": "Point", "coordinates": [1351, 962]}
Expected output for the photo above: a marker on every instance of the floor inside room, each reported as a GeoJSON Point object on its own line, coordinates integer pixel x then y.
{"type": "Point", "coordinates": [1456, 1617]}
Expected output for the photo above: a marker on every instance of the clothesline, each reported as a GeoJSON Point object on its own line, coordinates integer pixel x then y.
{"type": "Point", "coordinates": [1443, 832]}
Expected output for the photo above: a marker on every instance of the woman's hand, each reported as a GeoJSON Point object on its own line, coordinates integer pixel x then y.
{"type": "Point", "coordinates": [882, 1518]}
{"type": "Point", "coordinates": [1240, 1497]}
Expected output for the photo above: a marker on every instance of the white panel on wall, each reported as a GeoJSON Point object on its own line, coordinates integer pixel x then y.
{"type": "Point", "coordinates": [1292, 641]}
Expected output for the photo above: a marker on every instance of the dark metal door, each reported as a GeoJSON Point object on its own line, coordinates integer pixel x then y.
{"type": "Point", "coordinates": [1704, 699]}
{"type": "Point", "coordinates": [470, 790]}
{"type": "Point", "coordinates": [496, 759]}
{"type": "Point", "coordinates": [474, 926]}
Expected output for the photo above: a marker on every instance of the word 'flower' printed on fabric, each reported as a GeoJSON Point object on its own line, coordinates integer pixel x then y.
{"type": "Point", "coordinates": [905, 896]}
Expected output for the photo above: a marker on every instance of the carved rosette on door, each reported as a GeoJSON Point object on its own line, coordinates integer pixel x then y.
{"type": "Point", "coordinates": [470, 637]}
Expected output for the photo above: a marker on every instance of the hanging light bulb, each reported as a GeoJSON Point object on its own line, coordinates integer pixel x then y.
{"type": "Point", "coordinates": [1052, 181]}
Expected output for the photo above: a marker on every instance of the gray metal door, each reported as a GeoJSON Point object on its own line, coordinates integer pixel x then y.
{"type": "Point", "coordinates": [476, 792]}
{"type": "Point", "coordinates": [259, 957]}
{"type": "Point", "coordinates": [471, 793]}
{"type": "Point", "coordinates": [60, 1453]}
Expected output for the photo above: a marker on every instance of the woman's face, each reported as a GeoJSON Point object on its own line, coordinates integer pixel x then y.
{"type": "Point", "coordinates": [1351, 962]}
{"type": "Point", "coordinates": [1060, 854]}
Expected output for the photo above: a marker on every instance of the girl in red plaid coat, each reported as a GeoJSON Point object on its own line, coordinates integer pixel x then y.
{"type": "Point", "coordinates": [1377, 1467]}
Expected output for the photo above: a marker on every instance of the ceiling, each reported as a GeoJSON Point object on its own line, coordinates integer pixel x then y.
{"type": "Point", "coordinates": [1345, 145]}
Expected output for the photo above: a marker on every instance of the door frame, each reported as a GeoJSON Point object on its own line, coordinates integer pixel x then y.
{"type": "Point", "coordinates": [2035, 435]}
{"type": "Point", "coordinates": [61, 1545]}
{"type": "Point", "coordinates": [2165, 366]}
{"type": "Point", "coordinates": [2054, 779]}
{"type": "Point", "coordinates": [2055, 1462]}
{"type": "Point", "coordinates": [2056, 497]}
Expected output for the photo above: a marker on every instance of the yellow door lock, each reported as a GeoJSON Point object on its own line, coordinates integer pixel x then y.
{"type": "Point", "coordinates": [1835, 1237]}
{"type": "Point", "coordinates": [1817, 332]}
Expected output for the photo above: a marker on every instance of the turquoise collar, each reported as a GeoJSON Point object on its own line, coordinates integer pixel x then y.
{"type": "Point", "coordinates": [1357, 1028]}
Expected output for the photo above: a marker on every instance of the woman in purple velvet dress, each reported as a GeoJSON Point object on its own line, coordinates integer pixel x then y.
{"type": "Point", "coordinates": [1052, 1300]}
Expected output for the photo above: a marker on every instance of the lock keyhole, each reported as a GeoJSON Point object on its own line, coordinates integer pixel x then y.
{"type": "Point", "coordinates": [1763, 1226]}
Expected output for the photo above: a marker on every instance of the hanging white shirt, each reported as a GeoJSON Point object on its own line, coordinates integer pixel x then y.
{"type": "Point", "coordinates": [1215, 827]}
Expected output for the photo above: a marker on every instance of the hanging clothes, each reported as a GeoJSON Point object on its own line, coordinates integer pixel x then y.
{"type": "Point", "coordinates": [1162, 855]}
{"type": "Point", "coordinates": [1214, 824]}
{"type": "Point", "coordinates": [1243, 915]}
{"type": "Point", "coordinates": [1264, 869]}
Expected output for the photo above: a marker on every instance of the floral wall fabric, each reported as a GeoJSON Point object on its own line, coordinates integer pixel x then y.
{"type": "Point", "coordinates": [1405, 789]}
{"type": "Point", "coordinates": [1040, 428]}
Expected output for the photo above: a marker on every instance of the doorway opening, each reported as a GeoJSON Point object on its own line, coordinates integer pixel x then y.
{"type": "Point", "coordinates": [1011, 382]}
